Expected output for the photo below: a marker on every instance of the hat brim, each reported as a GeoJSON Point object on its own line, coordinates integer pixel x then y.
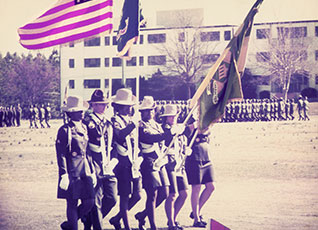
{"type": "Point", "coordinates": [76, 109]}
{"type": "Point", "coordinates": [147, 108]}
{"type": "Point", "coordinates": [124, 102]}
{"type": "Point", "coordinates": [99, 102]}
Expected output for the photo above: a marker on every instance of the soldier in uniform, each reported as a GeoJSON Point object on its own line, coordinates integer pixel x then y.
{"type": "Point", "coordinates": [199, 172]}
{"type": "Point", "coordinates": [35, 116]}
{"type": "Point", "coordinates": [76, 172]}
{"type": "Point", "coordinates": [306, 108]}
{"type": "Point", "coordinates": [171, 127]}
{"type": "Point", "coordinates": [30, 116]}
{"type": "Point", "coordinates": [154, 175]}
{"type": "Point", "coordinates": [125, 147]}
{"type": "Point", "coordinates": [18, 115]}
{"type": "Point", "coordinates": [1, 116]}
{"type": "Point", "coordinates": [100, 134]}
{"type": "Point", "coordinates": [41, 115]}
{"type": "Point", "coordinates": [47, 114]}
{"type": "Point", "coordinates": [300, 104]}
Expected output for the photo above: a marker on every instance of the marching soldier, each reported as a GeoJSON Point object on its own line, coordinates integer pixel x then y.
{"type": "Point", "coordinates": [129, 185]}
{"type": "Point", "coordinates": [18, 115]}
{"type": "Point", "coordinates": [76, 172]}
{"type": "Point", "coordinates": [170, 126]}
{"type": "Point", "coordinates": [100, 133]}
{"type": "Point", "coordinates": [41, 115]}
{"type": "Point", "coordinates": [47, 114]}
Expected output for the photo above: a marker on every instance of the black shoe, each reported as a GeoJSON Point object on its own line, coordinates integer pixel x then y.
{"type": "Point", "coordinates": [201, 218]}
{"type": "Point", "coordinates": [141, 220]}
{"type": "Point", "coordinates": [66, 226]}
{"type": "Point", "coordinates": [115, 223]}
{"type": "Point", "coordinates": [199, 224]}
{"type": "Point", "coordinates": [178, 225]}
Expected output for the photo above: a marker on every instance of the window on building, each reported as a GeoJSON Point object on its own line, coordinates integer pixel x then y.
{"type": "Point", "coordinates": [91, 83]}
{"type": "Point", "coordinates": [181, 60]}
{"type": "Point", "coordinates": [114, 41]}
{"type": "Point", "coordinates": [132, 62]}
{"type": "Point", "coordinates": [263, 56]}
{"type": "Point", "coordinates": [141, 39]}
{"type": "Point", "coordinates": [210, 36]}
{"type": "Point", "coordinates": [181, 37]}
{"type": "Point", "coordinates": [106, 62]}
{"type": "Point", "coordinates": [71, 84]}
{"type": "Point", "coordinates": [316, 79]}
{"type": "Point", "coordinates": [91, 62]}
{"type": "Point", "coordinates": [262, 33]}
{"type": "Point", "coordinates": [92, 42]}
{"type": "Point", "coordinates": [141, 61]}
{"type": "Point", "coordinates": [316, 31]}
{"type": "Point", "coordinates": [107, 41]}
{"type": "Point", "coordinates": [209, 58]}
{"type": "Point", "coordinates": [298, 32]}
{"type": "Point", "coordinates": [156, 38]}
{"type": "Point", "coordinates": [292, 32]}
{"type": "Point", "coordinates": [306, 81]}
{"type": "Point", "coordinates": [116, 62]}
{"type": "Point", "coordinates": [157, 60]}
{"type": "Point", "coordinates": [227, 35]}
{"type": "Point", "coordinates": [316, 55]}
{"type": "Point", "coordinates": [71, 63]}
{"type": "Point", "coordinates": [71, 44]}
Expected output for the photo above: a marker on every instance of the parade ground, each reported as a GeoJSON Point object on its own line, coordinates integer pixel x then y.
{"type": "Point", "coordinates": [266, 178]}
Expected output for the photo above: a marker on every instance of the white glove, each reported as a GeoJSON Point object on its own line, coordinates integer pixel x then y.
{"type": "Point", "coordinates": [64, 182]}
{"type": "Point", "coordinates": [136, 163]}
{"type": "Point", "coordinates": [188, 151]}
{"type": "Point", "coordinates": [177, 129]}
{"type": "Point", "coordinates": [94, 178]}
{"type": "Point", "coordinates": [108, 168]}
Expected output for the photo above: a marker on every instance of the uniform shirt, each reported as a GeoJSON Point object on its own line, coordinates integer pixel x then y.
{"type": "Point", "coordinates": [100, 134]}
{"type": "Point", "coordinates": [123, 136]}
{"type": "Point", "coordinates": [201, 147]}
{"type": "Point", "coordinates": [151, 137]}
{"type": "Point", "coordinates": [71, 146]}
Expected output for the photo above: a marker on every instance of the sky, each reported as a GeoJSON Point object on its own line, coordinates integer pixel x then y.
{"type": "Point", "coordinates": [17, 13]}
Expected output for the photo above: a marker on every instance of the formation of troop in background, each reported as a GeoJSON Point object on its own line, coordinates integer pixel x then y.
{"type": "Point", "coordinates": [106, 155]}
{"type": "Point", "coordinates": [10, 116]}
{"type": "Point", "coordinates": [266, 110]}
{"type": "Point", "coordinates": [38, 114]}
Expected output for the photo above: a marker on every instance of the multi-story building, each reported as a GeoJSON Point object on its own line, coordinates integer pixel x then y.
{"type": "Point", "coordinates": [93, 63]}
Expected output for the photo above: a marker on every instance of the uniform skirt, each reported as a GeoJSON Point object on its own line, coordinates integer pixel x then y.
{"type": "Point", "coordinates": [79, 188]}
{"type": "Point", "coordinates": [124, 177]}
{"type": "Point", "coordinates": [153, 178]}
{"type": "Point", "coordinates": [199, 172]}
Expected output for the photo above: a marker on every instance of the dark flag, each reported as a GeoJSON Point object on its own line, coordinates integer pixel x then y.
{"type": "Point", "coordinates": [128, 30]}
{"type": "Point", "coordinates": [223, 81]}
{"type": "Point", "coordinates": [68, 21]}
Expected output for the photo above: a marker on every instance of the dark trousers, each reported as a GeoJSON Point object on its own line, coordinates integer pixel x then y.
{"type": "Point", "coordinates": [105, 200]}
{"type": "Point", "coordinates": [75, 212]}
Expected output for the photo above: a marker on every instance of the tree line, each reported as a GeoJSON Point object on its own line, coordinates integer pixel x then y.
{"type": "Point", "coordinates": [30, 80]}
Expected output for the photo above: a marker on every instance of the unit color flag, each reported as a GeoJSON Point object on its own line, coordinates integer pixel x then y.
{"type": "Point", "coordinates": [68, 21]}
{"type": "Point", "coordinates": [223, 81]}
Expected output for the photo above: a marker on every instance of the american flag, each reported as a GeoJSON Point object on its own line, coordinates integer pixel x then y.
{"type": "Point", "coordinates": [68, 21]}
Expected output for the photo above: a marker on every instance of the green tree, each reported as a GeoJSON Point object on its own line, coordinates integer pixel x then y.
{"type": "Point", "coordinates": [29, 79]}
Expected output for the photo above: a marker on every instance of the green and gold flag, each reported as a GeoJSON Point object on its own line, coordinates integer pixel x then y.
{"type": "Point", "coordinates": [223, 81]}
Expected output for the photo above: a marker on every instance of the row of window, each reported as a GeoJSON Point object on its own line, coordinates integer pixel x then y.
{"type": "Point", "coordinates": [152, 60]}
{"type": "Point", "coordinates": [157, 38]}
{"type": "Point", "coordinates": [295, 55]}
{"type": "Point", "coordinates": [288, 32]}
{"type": "Point", "coordinates": [96, 83]}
